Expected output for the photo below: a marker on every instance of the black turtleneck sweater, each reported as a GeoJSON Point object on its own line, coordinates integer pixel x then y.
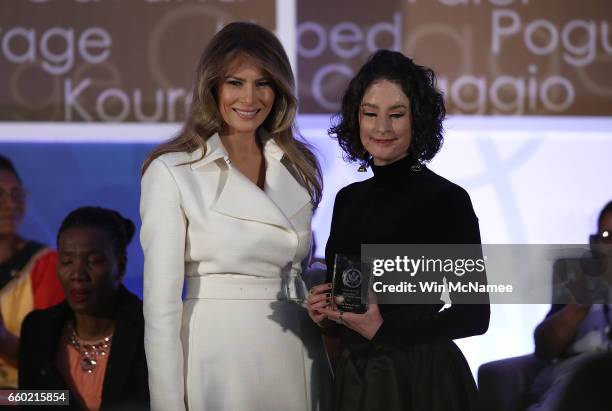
{"type": "Point", "coordinates": [402, 206]}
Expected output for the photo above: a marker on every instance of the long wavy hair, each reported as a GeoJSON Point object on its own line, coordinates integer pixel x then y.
{"type": "Point", "coordinates": [426, 105]}
{"type": "Point", "coordinates": [204, 119]}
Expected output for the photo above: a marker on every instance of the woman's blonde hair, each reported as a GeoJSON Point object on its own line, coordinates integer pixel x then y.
{"type": "Point", "coordinates": [203, 120]}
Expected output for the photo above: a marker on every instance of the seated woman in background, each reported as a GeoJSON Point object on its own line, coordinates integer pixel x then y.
{"type": "Point", "coordinates": [576, 337]}
{"type": "Point", "coordinates": [27, 272]}
{"type": "Point", "coordinates": [91, 344]}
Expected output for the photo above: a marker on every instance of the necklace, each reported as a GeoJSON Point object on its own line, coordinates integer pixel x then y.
{"type": "Point", "coordinates": [89, 352]}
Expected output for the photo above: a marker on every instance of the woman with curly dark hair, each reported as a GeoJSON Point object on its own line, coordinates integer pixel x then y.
{"type": "Point", "coordinates": [398, 357]}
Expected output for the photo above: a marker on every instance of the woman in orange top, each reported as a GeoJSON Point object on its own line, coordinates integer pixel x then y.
{"type": "Point", "coordinates": [91, 344]}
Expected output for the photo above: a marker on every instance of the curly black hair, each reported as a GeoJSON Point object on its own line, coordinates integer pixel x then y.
{"type": "Point", "coordinates": [426, 105]}
{"type": "Point", "coordinates": [120, 229]}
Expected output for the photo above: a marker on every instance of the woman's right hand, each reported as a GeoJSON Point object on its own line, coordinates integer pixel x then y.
{"type": "Point", "coordinates": [319, 298]}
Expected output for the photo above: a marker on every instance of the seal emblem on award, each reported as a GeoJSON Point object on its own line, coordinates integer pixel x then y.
{"type": "Point", "coordinates": [351, 277]}
{"type": "Point", "coordinates": [351, 282]}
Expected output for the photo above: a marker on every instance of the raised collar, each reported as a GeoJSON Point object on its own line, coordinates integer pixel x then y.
{"type": "Point", "coordinates": [270, 147]}
{"type": "Point", "coordinates": [399, 170]}
{"type": "Point", "coordinates": [283, 196]}
{"type": "Point", "coordinates": [215, 150]}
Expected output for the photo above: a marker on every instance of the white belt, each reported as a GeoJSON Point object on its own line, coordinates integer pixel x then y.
{"type": "Point", "coordinates": [241, 288]}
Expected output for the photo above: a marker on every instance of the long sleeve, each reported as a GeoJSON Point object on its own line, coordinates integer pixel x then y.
{"type": "Point", "coordinates": [330, 248]}
{"type": "Point", "coordinates": [458, 321]}
{"type": "Point", "coordinates": [163, 242]}
{"type": "Point", "coordinates": [456, 224]}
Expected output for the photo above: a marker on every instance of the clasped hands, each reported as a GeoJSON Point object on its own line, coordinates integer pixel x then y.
{"type": "Point", "coordinates": [324, 312]}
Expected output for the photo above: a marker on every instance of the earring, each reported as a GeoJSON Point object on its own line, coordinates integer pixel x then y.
{"type": "Point", "coordinates": [416, 167]}
{"type": "Point", "coordinates": [362, 169]}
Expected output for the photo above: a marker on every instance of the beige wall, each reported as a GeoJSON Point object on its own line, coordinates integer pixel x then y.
{"type": "Point", "coordinates": [114, 61]}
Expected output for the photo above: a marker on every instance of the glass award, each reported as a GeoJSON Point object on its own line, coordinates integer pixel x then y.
{"type": "Point", "coordinates": [350, 282]}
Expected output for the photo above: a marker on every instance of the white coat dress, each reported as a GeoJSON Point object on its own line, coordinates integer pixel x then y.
{"type": "Point", "coordinates": [235, 343]}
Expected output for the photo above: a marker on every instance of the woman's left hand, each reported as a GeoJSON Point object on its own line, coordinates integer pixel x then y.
{"type": "Point", "coordinates": [366, 324]}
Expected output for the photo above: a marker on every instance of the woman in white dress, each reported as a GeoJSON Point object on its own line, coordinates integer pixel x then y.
{"type": "Point", "coordinates": [226, 209]}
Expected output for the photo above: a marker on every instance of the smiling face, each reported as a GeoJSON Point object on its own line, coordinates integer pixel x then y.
{"type": "Point", "coordinates": [245, 96]}
{"type": "Point", "coordinates": [385, 124]}
{"type": "Point", "coordinates": [12, 203]}
{"type": "Point", "coordinates": [88, 269]}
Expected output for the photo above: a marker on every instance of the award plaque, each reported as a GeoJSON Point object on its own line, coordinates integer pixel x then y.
{"type": "Point", "coordinates": [350, 282]}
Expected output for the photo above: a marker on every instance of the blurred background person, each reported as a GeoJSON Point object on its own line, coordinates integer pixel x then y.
{"type": "Point", "coordinates": [572, 335]}
{"type": "Point", "coordinates": [92, 344]}
{"type": "Point", "coordinates": [27, 272]}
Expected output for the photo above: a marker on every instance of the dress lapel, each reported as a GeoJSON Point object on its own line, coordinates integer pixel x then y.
{"type": "Point", "coordinates": [126, 340]}
{"type": "Point", "coordinates": [53, 332]}
{"type": "Point", "coordinates": [281, 198]}
{"type": "Point", "coordinates": [281, 186]}
{"type": "Point", "coordinates": [240, 198]}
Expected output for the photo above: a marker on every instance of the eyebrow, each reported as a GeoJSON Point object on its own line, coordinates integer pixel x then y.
{"type": "Point", "coordinates": [241, 79]}
{"type": "Point", "coordinates": [87, 249]}
{"type": "Point", "coordinates": [393, 107]}
{"type": "Point", "coordinates": [73, 252]}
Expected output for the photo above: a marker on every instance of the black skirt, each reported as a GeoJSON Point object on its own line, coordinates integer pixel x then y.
{"type": "Point", "coordinates": [424, 377]}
